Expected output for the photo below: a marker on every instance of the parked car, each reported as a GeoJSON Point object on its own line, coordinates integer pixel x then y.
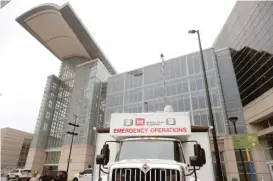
{"type": "Point", "coordinates": [57, 175]}
{"type": "Point", "coordinates": [85, 175]}
{"type": "Point", "coordinates": [20, 174]}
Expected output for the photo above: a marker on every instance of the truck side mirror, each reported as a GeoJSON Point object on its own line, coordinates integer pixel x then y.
{"type": "Point", "coordinates": [197, 149]}
{"type": "Point", "coordinates": [103, 158]}
{"type": "Point", "coordinates": [106, 152]}
{"type": "Point", "coordinates": [199, 158]}
{"type": "Point", "coordinates": [194, 161]}
{"type": "Point", "coordinates": [203, 156]}
{"type": "Point", "coordinates": [100, 159]}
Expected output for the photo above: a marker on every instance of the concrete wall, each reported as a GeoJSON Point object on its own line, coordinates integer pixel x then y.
{"type": "Point", "coordinates": [81, 157]}
{"type": "Point", "coordinates": [11, 145]}
{"type": "Point", "coordinates": [254, 112]}
{"type": "Point", "coordinates": [36, 159]}
{"type": "Point", "coordinates": [259, 109]}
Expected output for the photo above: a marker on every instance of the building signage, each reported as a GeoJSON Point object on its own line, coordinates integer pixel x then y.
{"type": "Point", "coordinates": [241, 141]}
{"type": "Point", "coordinates": [150, 124]}
{"type": "Point", "coordinates": [150, 130]}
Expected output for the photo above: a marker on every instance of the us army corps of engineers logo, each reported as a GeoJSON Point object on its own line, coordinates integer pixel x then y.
{"type": "Point", "coordinates": [4, 3]}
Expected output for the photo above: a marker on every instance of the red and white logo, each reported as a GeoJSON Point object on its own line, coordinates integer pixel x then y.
{"type": "Point", "coordinates": [145, 168]}
{"type": "Point", "coordinates": [140, 122]}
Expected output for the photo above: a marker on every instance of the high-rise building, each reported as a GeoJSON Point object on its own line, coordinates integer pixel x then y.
{"type": "Point", "coordinates": [248, 32]}
{"type": "Point", "coordinates": [79, 89]}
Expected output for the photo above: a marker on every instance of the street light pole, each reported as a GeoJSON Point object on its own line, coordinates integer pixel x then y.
{"type": "Point", "coordinates": [233, 120]}
{"type": "Point", "coordinates": [211, 118]}
{"type": "Point", "coordinates": [73, 134]}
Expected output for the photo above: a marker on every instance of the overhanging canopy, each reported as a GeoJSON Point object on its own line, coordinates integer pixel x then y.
{"type": "Point", "coordinates": [60, 30]}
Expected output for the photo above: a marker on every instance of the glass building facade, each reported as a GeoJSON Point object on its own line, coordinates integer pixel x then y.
{"type": "Point", "coordinates": [248, 32]}
{"type": "Point", "coordinates": [80, 89]}
{"type": "Point", "coordinates": [24, 152]}
{"type": "Point", "coordinates": [141, 90]}
{"type": "Point", "coordinates": [85, 101]}
{"type": "Point", "coordinates": [54, 107]}
{"type": "Point", "coordinates": [132, 91]}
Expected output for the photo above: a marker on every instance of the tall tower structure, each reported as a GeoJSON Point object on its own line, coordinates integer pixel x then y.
{"type": "Point", "coordinates": [76, 90]}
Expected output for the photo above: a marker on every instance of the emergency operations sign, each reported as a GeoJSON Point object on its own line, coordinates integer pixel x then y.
{"type": "Point", "coordinates": [150, 124]}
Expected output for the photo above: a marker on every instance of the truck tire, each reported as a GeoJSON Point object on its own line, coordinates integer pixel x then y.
{"type": "Point", "coordinates": [75, 179]}
{"type": "Point", "coordinates": [17, 178]}
{"type": "Point", "coordinates": [7, 177]}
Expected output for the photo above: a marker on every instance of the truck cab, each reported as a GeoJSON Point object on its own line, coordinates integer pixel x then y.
{"type": "Point", "coordinates": [160, 146]}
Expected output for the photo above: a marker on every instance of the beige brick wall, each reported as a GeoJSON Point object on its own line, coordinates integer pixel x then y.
{"type": "Point", "coordinates": [81, 156]}
{"type": "Point", "coordinates": [36, 159]}
{"type": "Point", "coordinates": [11, 145]}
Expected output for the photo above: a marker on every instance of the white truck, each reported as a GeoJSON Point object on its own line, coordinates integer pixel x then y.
{"type": "Point", "coordinates": [159, 146]}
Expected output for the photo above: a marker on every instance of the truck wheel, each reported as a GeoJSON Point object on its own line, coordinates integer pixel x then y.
{"type": "Point", "coordinates": [17, 178]}
{"type": "Point", "coordinates": [75, 179]}
{"type": "Point", "coordinates": [7, 177]}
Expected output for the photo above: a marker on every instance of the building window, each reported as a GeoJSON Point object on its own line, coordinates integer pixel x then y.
{"type": "Point", "coordinates": [265, 124]}
{"type": "Point", "coordinates": [50, 104]}
{"type": "Point", "coordinates": [48, 115]}
{"type": "Point", "coordinates": [246, 164]}
{"type": "Point", "coordinates": [24, 153]}
{"type": "Point", "coordinates": [53, 157]}
{"type": "Point", "coordinates": [54, 86]}
{"type": "Point", "coordinates": [52, 94]}
{"type": "Point", "coordinates": [267, 144]}
{"type": "Point", "coordinates": [45, 126]}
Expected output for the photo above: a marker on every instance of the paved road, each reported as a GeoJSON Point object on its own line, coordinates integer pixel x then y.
{"type": "Point", "coordinates": [4, 179]}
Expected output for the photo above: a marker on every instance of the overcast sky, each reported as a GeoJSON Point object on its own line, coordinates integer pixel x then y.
{"type": "Point", "coordinates": [131, 33]}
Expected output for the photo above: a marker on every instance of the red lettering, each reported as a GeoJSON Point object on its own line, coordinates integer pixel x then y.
{"type": "Point", "coordinates": [118, 130]}
{"type": "Point", "coordinates": [151, 130]}
{"type": "Point", "coordinates": [130, 130]}
{"type": "Point", "coordinates": [182, 129]}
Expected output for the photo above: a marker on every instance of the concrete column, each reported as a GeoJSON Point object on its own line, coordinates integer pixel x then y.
{"type": "Point", "coordinates": [36, 160]}
{"type": "Point", "coordinates": [260, 164]}
{"type": "Point", "coordinates": [81, 157]}
{"type": "Point", "coordinates": [230, 159]}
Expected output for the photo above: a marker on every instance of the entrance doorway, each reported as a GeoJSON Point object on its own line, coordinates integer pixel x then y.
{"type": "Point", "coordinates": [50, 167]}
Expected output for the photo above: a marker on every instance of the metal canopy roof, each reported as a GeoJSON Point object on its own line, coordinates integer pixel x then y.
{"type": "Point", "coordinates": [60, 30]}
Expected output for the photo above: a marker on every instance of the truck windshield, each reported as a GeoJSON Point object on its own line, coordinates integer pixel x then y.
{"type": "Point", "coordinates": [151, 149]}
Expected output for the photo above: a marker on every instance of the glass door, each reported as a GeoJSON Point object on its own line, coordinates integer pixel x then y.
{"type": "Point", "coordinates": [50, 168]}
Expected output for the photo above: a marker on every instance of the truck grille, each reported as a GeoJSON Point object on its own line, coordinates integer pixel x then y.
{"type": "Point", "coordinates": [136, 174]}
